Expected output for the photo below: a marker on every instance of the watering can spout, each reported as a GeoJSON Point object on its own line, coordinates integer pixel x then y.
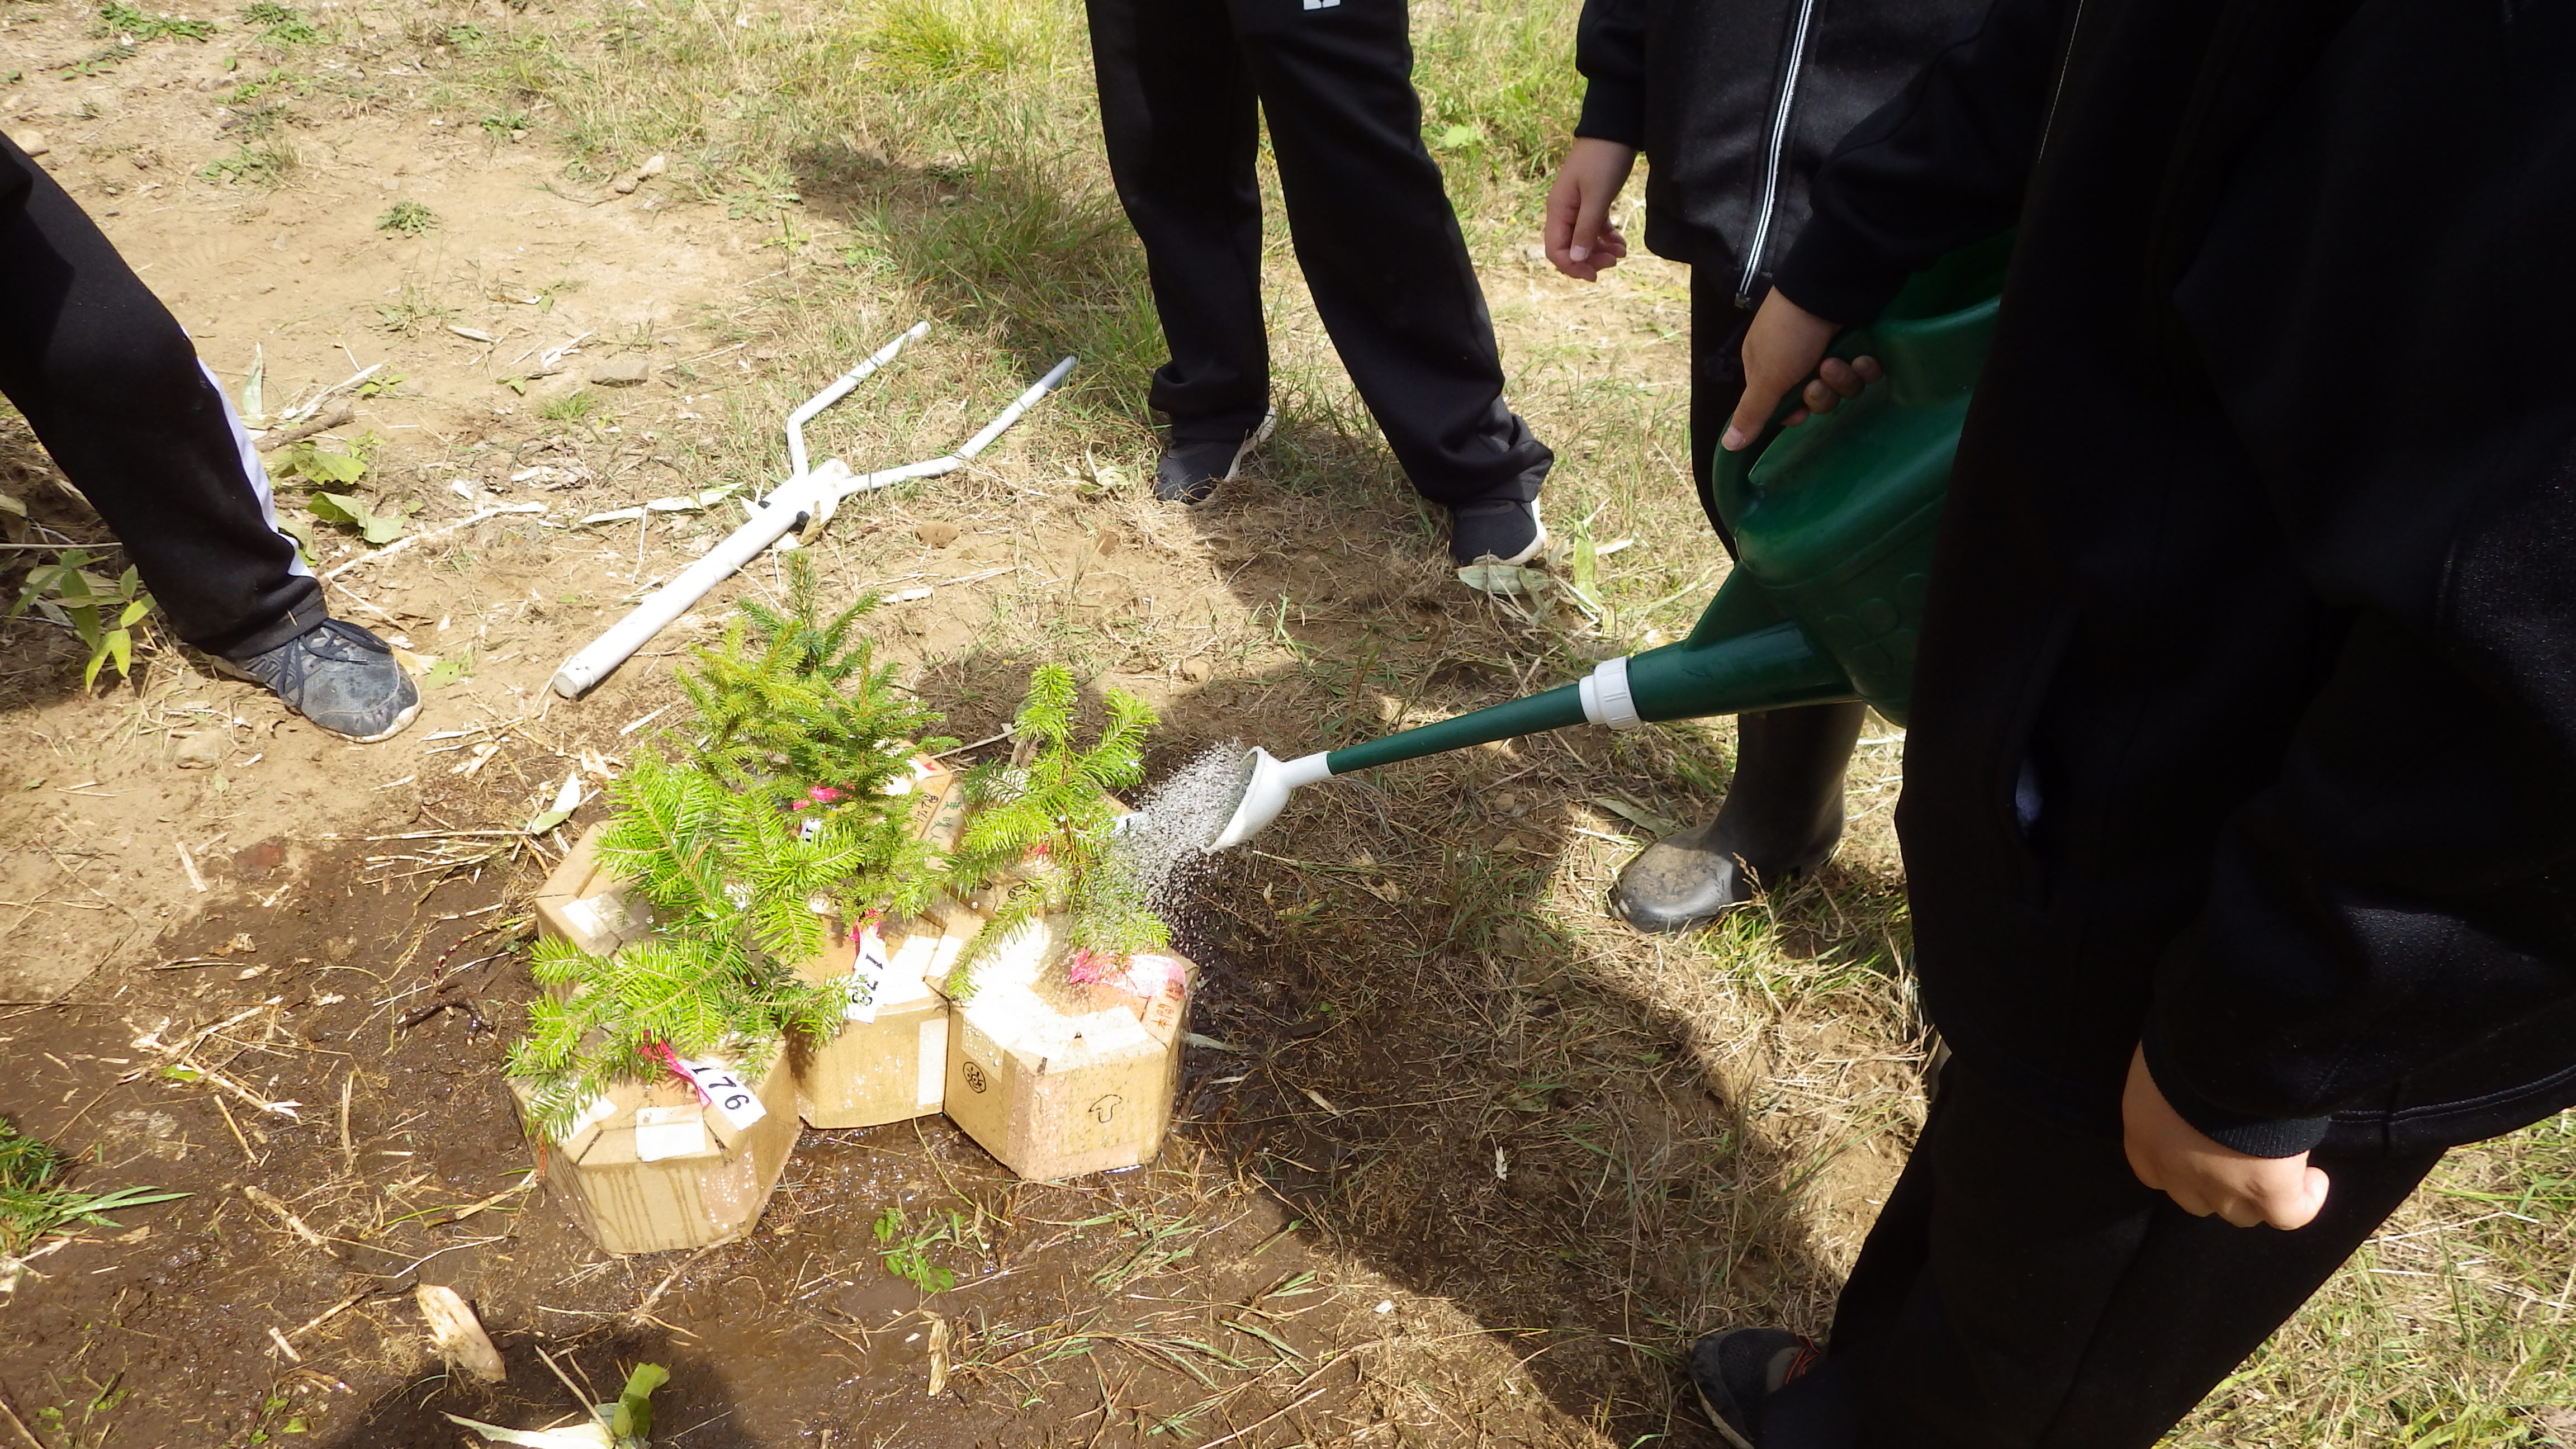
{"type": "Point", "coordinates": [1266, 783]}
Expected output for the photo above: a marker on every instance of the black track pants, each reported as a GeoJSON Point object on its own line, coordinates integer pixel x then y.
{"type": "Point", "coordinates": [1717, 384]}
{"type": "Point", "coordinates": [1183, 85]}
{"type": "Point", "coordinates": [2022, 1290]}
{"type": "Point", "coordinates": [112, 387]}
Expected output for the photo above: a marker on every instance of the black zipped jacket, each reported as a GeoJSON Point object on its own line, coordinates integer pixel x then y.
{"type": "Point", "coordinates": [1737, 102]}
{"type": "Point", "coordinates": [2260, 555]}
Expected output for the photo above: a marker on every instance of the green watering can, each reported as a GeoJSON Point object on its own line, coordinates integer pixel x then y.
{"type": "Point", "coordinates": [1833, 522]}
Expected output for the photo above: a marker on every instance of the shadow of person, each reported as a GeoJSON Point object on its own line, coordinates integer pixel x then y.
{"type": "Point", "coordinates": [696, 1403]}
{"type": "Point", "coordinates": [1431, 1073]}
{"type": "Point", "coordinates": [1036, 254]}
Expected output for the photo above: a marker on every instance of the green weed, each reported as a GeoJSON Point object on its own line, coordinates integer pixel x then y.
{"type": "Point", "coordinates": [266, 164]}
{"type": "Point", "coordinates": [281, 25]}
{"type": "Point", "coordinates": [413, 313]}
{"type": "Point", "coordinates": [573, 407]}
{"type": "Point", "coordinates": [906, 1249]}
{"type": "Point", "coordinates": [35, 1201]}
{"type": "Point", "coordinates": [352, 512]}
{"type": "Point", "coordinates": [135, 27]}
{"type": "Point", "coordinates": [98, 62]}
{"type": "Point", "coordinates": [103, 614]}
{"type": "Point", "coordinates": [407, 218]}
{"type": "Point", "coordinates": [311, 461]}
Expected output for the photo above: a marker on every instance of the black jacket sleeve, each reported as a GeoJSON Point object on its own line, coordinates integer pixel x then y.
{"type": "Point", "coordinates": [2381, 303]}
{"type": "Point", "coordinates": [1610, 51]}
{"type": "Point", "coordinates": [1940, 167]}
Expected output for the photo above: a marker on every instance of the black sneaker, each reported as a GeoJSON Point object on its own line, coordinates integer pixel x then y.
{"type": "Point", "coordinates": [339, 676]}
{"type": "Point", "coordinates": [1502, 532]}
{"type": "Point", "coordinates": [1736, 1370]}
{"type": "Point", "coordinates": [1189, 472]}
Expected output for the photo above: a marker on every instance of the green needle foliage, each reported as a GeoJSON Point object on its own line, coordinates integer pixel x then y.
{"type": "Point", "coordinates": [35, 1201]}
{"type": "Point", "coordinates": [782, 819]}
{"type": "Point", "coordinates": [1041, 831]}
{"type": "Point", "coordinates": [791, 704]}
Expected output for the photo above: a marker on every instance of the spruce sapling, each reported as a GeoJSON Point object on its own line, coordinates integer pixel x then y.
{"type": "Point", "coordinates": [1042, 833]}
{"type": "Point", "coordinates": [785, 816]}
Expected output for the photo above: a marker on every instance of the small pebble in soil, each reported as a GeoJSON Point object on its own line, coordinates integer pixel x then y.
{"type": "Point", "coordinates": [202, 751]}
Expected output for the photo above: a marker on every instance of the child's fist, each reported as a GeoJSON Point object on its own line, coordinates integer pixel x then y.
{"type": "Point", "coordinates": [2202, 1177]}
{"type": "Point", "coordinates": [1579, 238]}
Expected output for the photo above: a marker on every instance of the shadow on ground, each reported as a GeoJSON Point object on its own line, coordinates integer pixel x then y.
{"type": "Point", "coordinates": [1441, 1084]}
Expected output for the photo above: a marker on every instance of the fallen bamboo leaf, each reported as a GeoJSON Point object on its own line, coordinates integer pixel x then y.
{"type": "Point", "coordinates": [578, 1436]}
{"type": "Point", "coordinates": [567, 800]}
{"type": "Point", "coordinates": [470, 334]}
{"type": "Point", "coordinates": [1318, 1099]}
{"type": "Point", "coordinates": [938, 1354]}
{"type": "Point", "coordinates": [458, 1334]}
{"type": "Point", "coordinates": [1638, 815]}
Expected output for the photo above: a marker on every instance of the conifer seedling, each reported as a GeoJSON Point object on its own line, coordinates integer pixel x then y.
{"type": "Point", "coordinates": [782, 820]}
{"type": "Point", "coordinates": [1044, 834]}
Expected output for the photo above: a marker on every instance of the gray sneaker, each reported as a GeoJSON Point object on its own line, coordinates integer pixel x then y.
{"type": "Point", "coordinates": [339, 676]}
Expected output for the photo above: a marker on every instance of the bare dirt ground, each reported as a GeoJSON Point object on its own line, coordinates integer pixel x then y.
{"type": "Point", "coordinates": [1465, 1164]}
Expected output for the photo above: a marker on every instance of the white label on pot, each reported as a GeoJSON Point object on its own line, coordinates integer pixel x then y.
{"type": "Point", "coordinates": [662, 1132]}
{"type": "Point", "coordinates": [599, 1110]}
{"type": "Point", "coordinates": [931, 1088]}
{"type": "Point", "coordinates": [603, 920]}
{"type": "Point", "coordinates": [726, 1092]}
{"type": "Point", "coordinates": [929, 951]}
{"type": "Point", "coordinates": [873, 966]}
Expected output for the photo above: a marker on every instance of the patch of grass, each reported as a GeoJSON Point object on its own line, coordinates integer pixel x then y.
{"type": "Point", "coordinates": [407, 218]}
{"type": "Point", "coordinates": [265, 163]}
{"type": "Point", "coordinates": [1498, 87]}
{"type": "Point", "coordinates": [507, 124]}
{"type": "Point", "coordinates": [256, 121]}
{"type": "Point", "coordinates": [98, 62]}
{"type": "Point", "coordinates": [413, 313]}
{"type": "Point", "coordinates": [961, 39]}
{"type": "Point", "coordinates": [36, 1200]}
{"type": "Point", "coordinates": [281, 25]}
{"type": "Point", "coordinates": [577, 406]}
{"type": "Point", "coordinates": [135, 27]}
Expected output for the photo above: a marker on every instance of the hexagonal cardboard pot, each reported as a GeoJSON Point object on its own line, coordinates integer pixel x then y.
{"type": "Point", "coordinates": [653, 1166]}
{"type": "Point", "coordinates": [889, 1061]}
{"type": "Point", "coordinates": [1057, 1078]}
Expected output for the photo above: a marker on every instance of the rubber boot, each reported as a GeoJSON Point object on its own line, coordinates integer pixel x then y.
{"type": "Point", "coordinates": [1782, 817]}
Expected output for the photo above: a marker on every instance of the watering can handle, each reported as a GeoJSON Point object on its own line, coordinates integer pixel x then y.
{"type": "Point", "coordinates": [1731, 474]}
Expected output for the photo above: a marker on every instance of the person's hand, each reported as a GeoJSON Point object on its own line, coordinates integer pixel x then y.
{"type": "Point", "coordinates": [1579, 237]}
{"type": "Point", "coordinates": [2171, 1156]}
{"type": "Point", "coordinates": [1784, 347]}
